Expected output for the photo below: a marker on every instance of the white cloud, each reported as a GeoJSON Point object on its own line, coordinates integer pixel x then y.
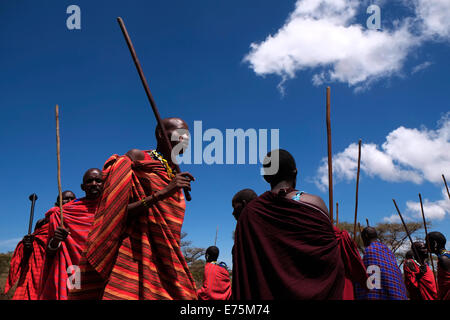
{"type": "Point", "coordinates": [434, 16]}
{"type": "Point", "coordinates": [433, 210]}
{"type": "Point", "coordinates": [9, 244]}
{"type": "Point", "coordinates": [322, 35]}
{"type": "Point", "coordinates": [421, 67]}
{"type": "Point", "coordinates": [407, 155]}
{"type": "Point", "coordinates": [394, 218]}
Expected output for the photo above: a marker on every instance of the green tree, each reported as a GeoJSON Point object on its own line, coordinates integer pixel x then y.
{"type": "Point", "coordinates": [192, 256]}
{"type": "Point", "coordinates": [5, 259]}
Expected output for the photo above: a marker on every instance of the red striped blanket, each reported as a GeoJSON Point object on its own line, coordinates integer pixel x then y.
{"type": "Point", "coordinates": [78, 218]}
{"type": "Point", "coordinates": [27, 273]}
{"type": "Point", "coordinates": [140, 258]}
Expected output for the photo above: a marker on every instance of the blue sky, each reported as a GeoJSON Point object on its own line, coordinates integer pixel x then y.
{"type": "Point", "coordinates": [193, 55]}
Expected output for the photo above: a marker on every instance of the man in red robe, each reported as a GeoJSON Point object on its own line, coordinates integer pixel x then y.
{"type": "Point", "coordinates": [28, 260]}
{"type": "Point", "coordinates": [65, 243]}
{"type": "Point", "coordinates": [436, 242]}
{"type": "Point", "coordinates": [419, 279]}
{"type": "Point", "coordinates": [355, 270]}
{"type": "Point", "coordinates": [134, 249]}
{"type": "Point", "coordinates": [285, 244]}
{"type": "Point", "coordinates": [216, 279]}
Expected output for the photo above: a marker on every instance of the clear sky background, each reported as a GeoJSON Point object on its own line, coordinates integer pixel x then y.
{"type": "Point", "coordinates": [389, 88]}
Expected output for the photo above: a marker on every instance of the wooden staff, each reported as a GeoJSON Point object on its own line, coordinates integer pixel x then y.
{"type": "Point", "coordinates": [357, 187]}
{"type": "Point", "coordinates": [337, 213]}
{"type": "Point", "coordinates": [330, 160]}
{"type": "Point", "coordinates": [426, 236]}
{"type": "Point", "coordinates": [33, 199]}
{"type": "Point", "coordinates": [360, 232]}
{"type": "Point", "coordinates": [150, 97]}
{"type": "Point", "coordinates": [445, 182]}
{"type": "Point", "coordinates": [217, 230]}
{"type": "Point", "coordinates": [367, 222]}
{"type": "Point", "coordinates": [58, 157]}
{"type": "Point", "coordinates": [407, 233]}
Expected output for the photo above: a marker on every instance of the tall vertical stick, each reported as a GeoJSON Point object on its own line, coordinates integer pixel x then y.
{"type": "Point", "coordinates": [367, 222]}
{"type": "Point", "coordinates": [357, 189]}
{"type": "Point", "coordinates": [445, 182]}
{"type": "Point", "coordinates": [426, 237]}
{"type": "Point", "coordinates": [33, 199]}
{"type": "Point", "coordinates": [407, 233]}
{"type": "Point", "coordinates": [217, 231]}
{"type": "Point", "coordinates": [58, 157]}
{"type": "Point", "coordinates": [150, 98]}
{"type": "Point", "coordinates": [337, 213]}
{"type": "Point", "coordinates": [330, 160]}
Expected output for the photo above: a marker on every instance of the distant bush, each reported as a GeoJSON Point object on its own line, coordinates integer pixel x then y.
{"type": "Point", "coordinates": [5, 259]}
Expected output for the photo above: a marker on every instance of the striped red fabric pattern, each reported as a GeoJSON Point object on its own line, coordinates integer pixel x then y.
{"type": "Point", "coordinates": [27, 275]}
{"type": "Point", "coordinates": [140, 258]}
{"type": "Point", "coordinates": [78, 219]}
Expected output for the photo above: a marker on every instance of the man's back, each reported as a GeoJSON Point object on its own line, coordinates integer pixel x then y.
{"type": "Point", "coordinates": [286, 249]}
{"type": "Point", "coordinates": [392, 286]}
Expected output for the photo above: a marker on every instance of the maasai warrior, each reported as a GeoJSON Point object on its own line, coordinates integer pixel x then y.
{"type": "Point", "coordinates": [65, 244]}
{"type": "Point", "coordinates": [355, 271]}
{"type": "Point", "coordinates": [28, 260]}
{"type": "Point", "coordinates": [216, 279]}
{"type": "Point", "coordinates": [134, 247]}
{"type": "Point", "coordinates": [240, 201]}
{"type": "Point", "coordinates": [382, 266]}
{"type": "Point", "coordinates": [286, 247]}
{"type": "Point", "coordinates": [436, 242]}
{"type": "Point", "coordinates": [419, 279]}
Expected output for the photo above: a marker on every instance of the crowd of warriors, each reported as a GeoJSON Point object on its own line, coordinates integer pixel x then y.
{"type": "Point", "coordinates": [122, 241]}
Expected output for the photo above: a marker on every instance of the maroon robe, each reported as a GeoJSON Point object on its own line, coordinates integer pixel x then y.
{"type": "Point", "coordinates": [355, 270]}
{"type": "Point", "coordinates": [286, 249]}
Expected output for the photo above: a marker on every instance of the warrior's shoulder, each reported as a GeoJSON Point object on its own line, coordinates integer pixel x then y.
{"type": "Point", "coordinates": [135, 154]}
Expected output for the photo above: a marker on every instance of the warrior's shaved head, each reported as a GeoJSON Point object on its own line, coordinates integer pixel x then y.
{"type": "Point", "coordinates": [368, 235]}
{"type": "Point", "coordinates": [436, 241]}
{"type": "Point", "coordinates": [92, 183]}
{"type": "Point", "coordinates": [240, 200]}
{"type": "Point", "coordinates": [287, 169]}
{"type": "Point", "coordinates": [177, 132]}
{"type": "Point", "coordinates": [212, 253]}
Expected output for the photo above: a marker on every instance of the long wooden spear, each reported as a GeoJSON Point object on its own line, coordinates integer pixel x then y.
{"type": "Point", "coordinates": [409, 236]}
{"type": "Point", "coordinates": [215, 240]}
{"type": "Point", "coordinates": [58, 157]}
{"type": "Point", "coordinates": [445, 182]}
{"type": "Point", "coordinates": [330, 160]}
{"type": "Point", "coordinates": [150, 97]}
{"type": "Point", "coordinates": [426, 237]}
{"type": "Point", "coordinates": [357, 189]}
{"type": "Point", "coordinates": [337, 213]}
{"type": "Point", "coordinates": [33, 199]}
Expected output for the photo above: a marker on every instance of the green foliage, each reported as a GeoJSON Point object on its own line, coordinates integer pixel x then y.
{"type": "Point", "coordinates": [192, 256]}
{"type": "Point", "coordinates": [392, 235]}
{"type": "Point", "coordinates": [5, 259]}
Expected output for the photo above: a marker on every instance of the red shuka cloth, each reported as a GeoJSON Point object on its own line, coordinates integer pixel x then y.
{"type": "Point", "coordinates": [355, 271]}
{"type": "Point", "coordinates": [443, 278]}
{"type": "Point", "coordinates": [216, 283]}
{"type": "Point", "coordinates": [28, 274]}
{"type": "Point", "coordinates": [286, 249]}
{"type": "Point", "coordinates": [138, 258]}
{"type": "Point", "coordinates": [423, 288]}
{"type": "Point", "coordinates": [78, 219]}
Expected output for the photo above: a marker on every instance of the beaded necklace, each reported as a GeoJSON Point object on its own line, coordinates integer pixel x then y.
{"type": "Point", "coordinates": [164, 162]}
